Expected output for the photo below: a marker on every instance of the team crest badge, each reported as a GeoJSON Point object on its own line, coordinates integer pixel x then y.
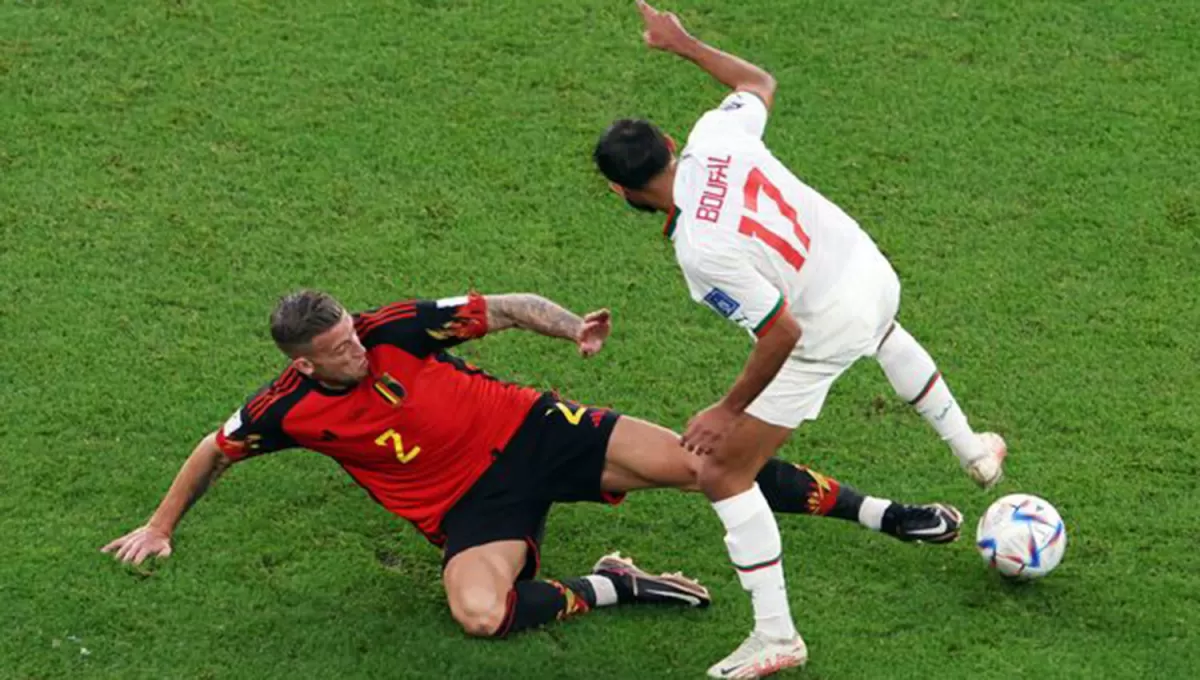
{"type": "Point", "coordinates": [390, 389]}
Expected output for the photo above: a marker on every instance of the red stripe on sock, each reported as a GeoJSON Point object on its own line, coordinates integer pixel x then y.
{"type": "Point", "coordinates": [928, 386]}
{"type": "Point", "coordinates": [510, 610]}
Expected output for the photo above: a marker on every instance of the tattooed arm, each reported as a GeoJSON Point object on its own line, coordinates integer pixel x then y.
{"type": "Point", "coordinates": [536, 313]}
{"type": "Point", "coordinates": [153, 539]}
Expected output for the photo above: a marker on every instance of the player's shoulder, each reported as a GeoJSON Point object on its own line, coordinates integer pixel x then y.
{"type": "Point", "coordinates": [400, 324]}
{"type": "Point", "coordinates": [702, 250]}
{"type": "Point", "coordinates": [739, 120]}
{"type": "Point", "coordinates": [368, 321]}
{"type": "Point", "coordinates": [274, 399]}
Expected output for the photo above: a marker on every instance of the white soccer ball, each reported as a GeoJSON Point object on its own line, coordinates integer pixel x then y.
{"type": "Point", "coordinates": [1021, 536]}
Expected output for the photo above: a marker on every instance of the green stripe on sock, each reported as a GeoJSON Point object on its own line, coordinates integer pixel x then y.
{"type": "Point", "coordinates": [761, 565]}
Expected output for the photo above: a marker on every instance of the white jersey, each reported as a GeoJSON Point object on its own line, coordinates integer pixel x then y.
{"type": "Point", "coordinates": [751, 238]}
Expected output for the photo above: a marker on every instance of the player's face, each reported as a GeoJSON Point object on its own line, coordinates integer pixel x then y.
{"type": "Point", "coordinates": [336, 356]}
{"type": "Point", "coordinates": [632, 198]}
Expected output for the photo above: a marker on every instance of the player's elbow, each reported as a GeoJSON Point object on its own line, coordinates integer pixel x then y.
{"type": "Point", "coordinates": [766, 89]}
{"type": "Point", "coordinates": [762, 85]}
{"type": "Point", "coordinates": [209, 451]}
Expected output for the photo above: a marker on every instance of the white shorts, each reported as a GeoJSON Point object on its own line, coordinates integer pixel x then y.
{"type": "Point", "coordinates": [831, 341]}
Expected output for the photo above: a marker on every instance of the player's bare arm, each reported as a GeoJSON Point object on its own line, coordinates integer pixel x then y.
{"type": "Point", "coordinates": [707, 429]}
{"type": "Point", "coordinates": [153, 539]}
{"type": "Point", "coordinates": [664, 32]}
{"type": "Point", "coordinates": [536, 313]}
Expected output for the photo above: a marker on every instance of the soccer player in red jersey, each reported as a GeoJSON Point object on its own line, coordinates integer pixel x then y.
{"type": "Point", "coordinates": [473, 462]}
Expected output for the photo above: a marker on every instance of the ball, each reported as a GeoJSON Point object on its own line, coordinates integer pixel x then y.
{"type": "Point", "coordinates": [1021, 537]}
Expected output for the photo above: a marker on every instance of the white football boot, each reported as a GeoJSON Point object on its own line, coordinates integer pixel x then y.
{"type": "Point", "coordinates": [988, 469]}
{"type": "Point", "coordinates": [760, 656]}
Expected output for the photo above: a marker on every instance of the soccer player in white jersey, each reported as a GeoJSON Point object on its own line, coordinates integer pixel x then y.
{"type": "Point", "coordinates": [771, 254]}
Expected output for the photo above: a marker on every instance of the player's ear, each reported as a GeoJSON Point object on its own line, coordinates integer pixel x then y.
{"type": "Point", "coordinates": [303, 365]}
{"type": "Point", "coordinates": [617, 189]}
{"type": "Point", "coordinates": [671, 145]}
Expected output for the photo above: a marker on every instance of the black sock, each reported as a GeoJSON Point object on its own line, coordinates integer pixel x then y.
{"type": "Point", "coordinates": [535, 603]}
{"type": "Point", "coordinates": [891, 519]}
{"type": "Point", "coordinates": [796, 489]}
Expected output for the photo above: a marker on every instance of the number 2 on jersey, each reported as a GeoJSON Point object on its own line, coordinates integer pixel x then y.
{"type": "Point", "coordinates": [756, 182]}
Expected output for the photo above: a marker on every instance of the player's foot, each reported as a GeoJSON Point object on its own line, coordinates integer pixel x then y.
{"type": "Point", "coordinates": [936, 523]}
{"type": "Point", "coordinates": [760, 656]}
{"type": "Point", "coordinates": [988, 469]}
{"type": "Point", "coordinates": [635, 585]}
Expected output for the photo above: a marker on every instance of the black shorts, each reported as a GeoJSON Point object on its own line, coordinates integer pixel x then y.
{"type": "Point", "coordinates": [556, 456]}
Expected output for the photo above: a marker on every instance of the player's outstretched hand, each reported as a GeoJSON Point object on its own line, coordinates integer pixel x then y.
{"type": "Point", "coordinates": [596, 327]}
{"type": "Point", "coordinates": [135, 546]}
{"type": "Point", "coordinates": [663, 30]}
{"type": "Point", "coordinates": [708, 428]}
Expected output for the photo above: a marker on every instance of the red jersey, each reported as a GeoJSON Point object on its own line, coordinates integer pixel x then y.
{"type": "Point", "coordinates": [417, 432]}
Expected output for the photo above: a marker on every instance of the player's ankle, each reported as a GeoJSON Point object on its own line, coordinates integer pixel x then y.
{"type": "Point", "coordinates": [966, 447]}
{"type": "Point", "coordinates": [607, 591]}
{"type": "Point", "coordinates": [874, 514]}
{"type": "Point", "coordinates": [776, 627]}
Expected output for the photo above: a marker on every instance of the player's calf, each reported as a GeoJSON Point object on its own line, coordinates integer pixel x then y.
{"type": "Point", "coordinates": [917, 380]}
{"type": "Point", "coordinates": [796, 489]}
{"type": "Point", "coordinates": [532, 604]}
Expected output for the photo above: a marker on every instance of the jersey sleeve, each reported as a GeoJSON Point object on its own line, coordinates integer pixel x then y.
{"type": "Point", "coordinates": [735, 291]}
{"type": "Point", "coordinates": [255, 428]}
{"type": "Point", "coordinates": [424, 327]}
{"type": "Point", "coordinates": [741, 113]}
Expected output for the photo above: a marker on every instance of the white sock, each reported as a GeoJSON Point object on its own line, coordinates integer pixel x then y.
{"type": "Point", "coordinates": [606, 592]}
{"type": "Point", "coordinates": [915, 377]}
{"type": "Point", "coordinates": [870, 513]}
{"type": "Point", "coordinates": [752, 538]}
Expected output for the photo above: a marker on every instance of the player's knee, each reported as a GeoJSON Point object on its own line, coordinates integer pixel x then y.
{"type": "Point", "coordinates": [481, 612]}
{"type": "Point", "coordinates": [688, 478]}
{"type": "Point", "coordinates": [718, 476]}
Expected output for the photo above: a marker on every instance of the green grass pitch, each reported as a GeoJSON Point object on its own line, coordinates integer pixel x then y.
{"type": "Point", "coordinates": [168, 168]}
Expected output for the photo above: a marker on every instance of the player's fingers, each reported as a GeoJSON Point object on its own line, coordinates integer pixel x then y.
{"type": "Point", "coordinates": [697, 439]}
{"type": "Point", "coordinates": [141, 555]}
{"type": "Point", "coordinates": [125, 551]}
{"type": "Point", "coordinates": [645, 8]}
{"type": "Point", "coordinates": [113, 545]}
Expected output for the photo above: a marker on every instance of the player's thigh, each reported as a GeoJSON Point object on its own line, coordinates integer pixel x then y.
{"type": "Point", "coordinates": [642, 455]}
{"type": "Point", "coordinates": [870, 305]}
{"type": "Point", "coordinates": [798, 391]}
{"type": "Point", "coordinates": [478, 580]}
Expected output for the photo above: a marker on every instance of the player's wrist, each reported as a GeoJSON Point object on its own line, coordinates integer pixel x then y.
{"type": "Point", "coordinates": [733, 405]}
{"type": "Point", "coordinates": [160, 527]}
{"type": "Point", "coordinates": [690, 48]}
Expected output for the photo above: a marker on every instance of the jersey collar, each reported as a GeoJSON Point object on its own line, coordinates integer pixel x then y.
{"type": "Point", "coordinates": [672, 222]}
